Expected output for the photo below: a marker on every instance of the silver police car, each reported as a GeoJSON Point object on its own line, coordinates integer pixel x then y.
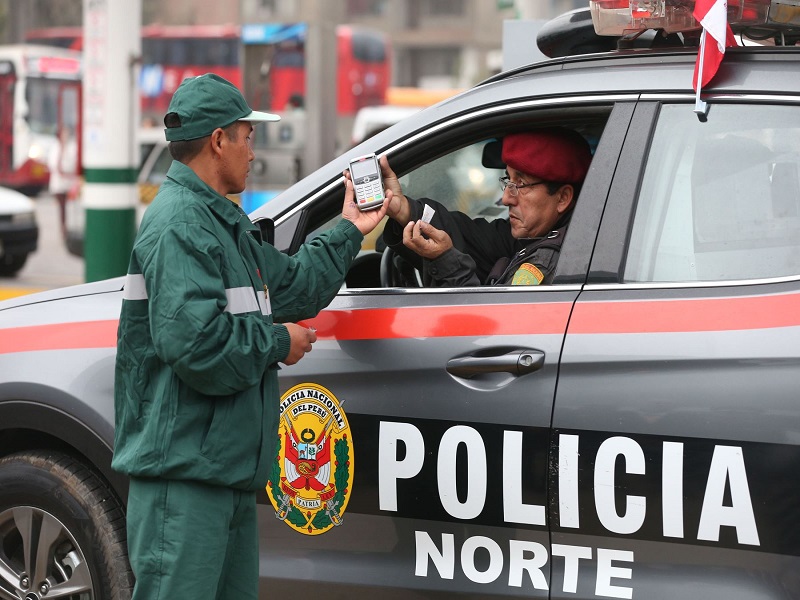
{"type": "Point", "coordinates": [630, 431]}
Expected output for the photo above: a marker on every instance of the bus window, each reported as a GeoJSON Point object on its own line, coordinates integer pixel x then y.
{"type": "Point", "coordinates": [42, 98]}
{"type": "Point", "coordinates": [368, 47]}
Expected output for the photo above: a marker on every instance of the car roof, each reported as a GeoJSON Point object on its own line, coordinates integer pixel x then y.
{"type": "Point", "coordinates": [636, 73]}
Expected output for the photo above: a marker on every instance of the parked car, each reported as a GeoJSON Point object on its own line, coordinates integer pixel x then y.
{"type": "Point", "coordinates": [373, 119]}
{"type": "Point", "coordinates": [630, 431]}
{"type": "Point", "coordinates": [19, 232]}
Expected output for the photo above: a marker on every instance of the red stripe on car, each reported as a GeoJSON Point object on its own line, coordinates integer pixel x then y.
{"type": "Point", "coordinates": [649, 316]}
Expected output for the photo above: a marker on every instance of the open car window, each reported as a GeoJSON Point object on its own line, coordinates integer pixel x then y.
{"type": "Point", "coordinates": [460, 181]}
{"type": "Point", "coordinates": [464, 179]}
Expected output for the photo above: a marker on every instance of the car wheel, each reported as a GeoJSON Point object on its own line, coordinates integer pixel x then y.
{"type": "Point", "coordinates": [62, 531]}
{"type": "Point", "coordinates": [11, 263]}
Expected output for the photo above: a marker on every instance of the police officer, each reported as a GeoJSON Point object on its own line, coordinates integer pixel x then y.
{"type": "Point", "coordinates": [209, 311]}
{"type": "Point", "coordinates": [544, 171]}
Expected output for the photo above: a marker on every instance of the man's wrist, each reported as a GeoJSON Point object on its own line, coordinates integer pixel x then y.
{"type": "Point", "coordinates": [403, 215]}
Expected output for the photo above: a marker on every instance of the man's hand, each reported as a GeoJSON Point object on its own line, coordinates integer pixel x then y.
{"type": "Point", "coordinates": [366, 221]}
{"type": "Point", "coordinates": [398, 205]}
{"type": "Point", "coordinates": [301, 340]}
{"type": "Point", "coordinates": [426, 240]}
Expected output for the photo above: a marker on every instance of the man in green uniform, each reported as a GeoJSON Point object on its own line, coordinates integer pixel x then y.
{"type": "Point", "coordinates": [209, 311]}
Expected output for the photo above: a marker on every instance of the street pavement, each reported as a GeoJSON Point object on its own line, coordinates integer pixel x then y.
{"type": "Point", "coordinates": [51, 266]}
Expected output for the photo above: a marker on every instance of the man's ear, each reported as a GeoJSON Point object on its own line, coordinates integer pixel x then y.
{"type": "Point", "coordinates": [566, 194]}
{"type": "Point", "coordinates": [217, 137]}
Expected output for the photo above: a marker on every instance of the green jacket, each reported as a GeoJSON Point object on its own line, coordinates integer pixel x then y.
{"type": "Point", "coordinates": [196, 385]}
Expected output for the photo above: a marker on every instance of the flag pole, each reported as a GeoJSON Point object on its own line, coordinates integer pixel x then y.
{"type": "Point", "coordinates": [701, 107]}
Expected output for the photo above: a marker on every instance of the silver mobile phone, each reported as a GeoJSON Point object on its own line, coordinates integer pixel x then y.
{"type": "Point", "coordinates": [367, 181]}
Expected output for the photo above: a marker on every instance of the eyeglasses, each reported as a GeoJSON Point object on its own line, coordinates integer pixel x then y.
{"type": "Point", "coordinates": [514, 188]}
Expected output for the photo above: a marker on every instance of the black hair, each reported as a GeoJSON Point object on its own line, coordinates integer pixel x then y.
{"type": "Point", "coordinates": [185, 150]}
{"type": "Point", "coordinates": [553, 187]}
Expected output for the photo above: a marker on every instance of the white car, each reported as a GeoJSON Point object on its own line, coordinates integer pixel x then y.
{"type": "Point", "coordinates": [19, 232]}
{"type": "Point", "coordinates": [372, 119]}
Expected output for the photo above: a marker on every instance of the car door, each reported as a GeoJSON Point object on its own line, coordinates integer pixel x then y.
{"type": "Point", "coordinates": [676, 429]}
{"type": "Point", "coordinates": [421, 419]}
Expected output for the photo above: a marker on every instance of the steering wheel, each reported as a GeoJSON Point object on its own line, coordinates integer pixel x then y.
{"type": "Point", "coordinates": [396, 271]}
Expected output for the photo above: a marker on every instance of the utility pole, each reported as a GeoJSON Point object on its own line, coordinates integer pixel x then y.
{"type": "Point", "coordinates": [321, 56]}
{"type": "Point", "coordinates": [111, 51]}
{"type": "Point", "coordinates": [18, 21]}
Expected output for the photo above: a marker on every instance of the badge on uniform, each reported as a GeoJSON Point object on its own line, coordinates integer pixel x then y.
{"type": "Point", "coordinates": [527, 274]}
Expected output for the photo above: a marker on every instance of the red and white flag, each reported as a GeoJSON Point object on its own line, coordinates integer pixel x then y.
{"type": "Point", "coordinates": [717, 35]}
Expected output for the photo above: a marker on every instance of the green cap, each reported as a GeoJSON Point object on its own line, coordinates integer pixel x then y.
{"type": "Point", "coordinates": [204, 103]}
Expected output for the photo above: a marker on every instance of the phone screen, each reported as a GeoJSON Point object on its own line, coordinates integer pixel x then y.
{"type": "Point", "coordinates": [363, 168]}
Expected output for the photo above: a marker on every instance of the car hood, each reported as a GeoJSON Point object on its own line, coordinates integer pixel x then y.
{"type": "Point", "coordinates": [86, 289]}
{"type": "Point", "coordinates": [15, 203]}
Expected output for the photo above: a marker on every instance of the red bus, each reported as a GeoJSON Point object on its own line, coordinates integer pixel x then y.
{"type": "Point", "coordinates": [40, 89]}
{"type": "Point", "coordinates": [170, 54]}
{"type": "Point", "coordinates": [363, 68]}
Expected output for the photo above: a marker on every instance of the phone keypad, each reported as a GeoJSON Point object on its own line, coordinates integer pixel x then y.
{"type": "Point", "coordinates": [369, 191]}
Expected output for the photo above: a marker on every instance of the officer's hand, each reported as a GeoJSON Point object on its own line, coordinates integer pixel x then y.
{"type": "Point", "coordinates": [397, 207]}
{"type": "Point", "coordinates": [301, 339]}
{"type": "Point", "coordinates": [426, 240]}
{"type": "Point", "coordinates": [366, 221]}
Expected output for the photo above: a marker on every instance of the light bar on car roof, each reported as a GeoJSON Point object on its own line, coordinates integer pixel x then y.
{"type": "Point", "coordinates": [624, 17]}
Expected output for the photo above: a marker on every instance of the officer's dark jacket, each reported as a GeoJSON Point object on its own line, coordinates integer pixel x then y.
{"type": "Point", "coordinates": [484, 252]}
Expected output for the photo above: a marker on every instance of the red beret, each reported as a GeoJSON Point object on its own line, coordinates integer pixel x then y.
{"type": "Point", "coordinates": [555, 154]}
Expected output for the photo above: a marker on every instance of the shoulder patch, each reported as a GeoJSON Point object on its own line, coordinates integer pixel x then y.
{"type": "Point", "coordinates": [527, 274]}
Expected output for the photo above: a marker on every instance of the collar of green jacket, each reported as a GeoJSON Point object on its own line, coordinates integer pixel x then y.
{"type": "Point", "coordinates": [226, 210]}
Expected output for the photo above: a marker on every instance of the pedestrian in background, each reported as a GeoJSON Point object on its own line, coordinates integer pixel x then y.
{"type": "Point", "coordinates": [62, 163]}
{"type": "Point", "coordinates": [209, 311]}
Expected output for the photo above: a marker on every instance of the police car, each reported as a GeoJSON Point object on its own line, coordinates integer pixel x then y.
{"type": "Point", "coordinates": [630, 431]}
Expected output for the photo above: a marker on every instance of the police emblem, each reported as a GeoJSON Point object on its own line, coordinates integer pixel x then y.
{"type": "Point", "coordinates": [312, 476]}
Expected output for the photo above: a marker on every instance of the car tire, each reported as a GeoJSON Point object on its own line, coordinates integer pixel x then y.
{"type": "Point", "coordinates": [60, 526]}
{"type": "Point", "coordinates": [11, 263]}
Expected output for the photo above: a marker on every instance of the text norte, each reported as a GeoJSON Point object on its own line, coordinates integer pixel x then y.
{"type": "Point", "coordinates": [591, 492]}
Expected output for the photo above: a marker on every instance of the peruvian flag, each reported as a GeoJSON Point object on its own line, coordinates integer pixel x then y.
{"type": "Point", "coordinates": [717, 35]}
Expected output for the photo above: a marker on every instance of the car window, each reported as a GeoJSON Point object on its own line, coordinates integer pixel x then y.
{"type": "Point", "coordinates": [719, 200]}
{"type": "Point", "coordinates": [457, 166]}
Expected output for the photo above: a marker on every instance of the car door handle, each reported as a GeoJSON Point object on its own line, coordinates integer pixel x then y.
{"type": "Point", "coordinates": [516, 362]}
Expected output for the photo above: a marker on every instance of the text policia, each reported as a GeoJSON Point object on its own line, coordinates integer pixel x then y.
{"type": "Point", "coordinates": [716, 508]}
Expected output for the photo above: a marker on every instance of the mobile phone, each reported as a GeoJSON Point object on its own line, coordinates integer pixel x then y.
{"type": "Point", "coordinates": [367, 181]}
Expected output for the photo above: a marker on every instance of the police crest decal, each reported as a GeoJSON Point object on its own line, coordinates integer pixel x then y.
{"type": "Point", "coordinates": [312, 477]}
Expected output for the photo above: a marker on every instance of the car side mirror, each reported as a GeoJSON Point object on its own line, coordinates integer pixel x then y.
{"type": "Point", "coordinates": [267, 228]}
